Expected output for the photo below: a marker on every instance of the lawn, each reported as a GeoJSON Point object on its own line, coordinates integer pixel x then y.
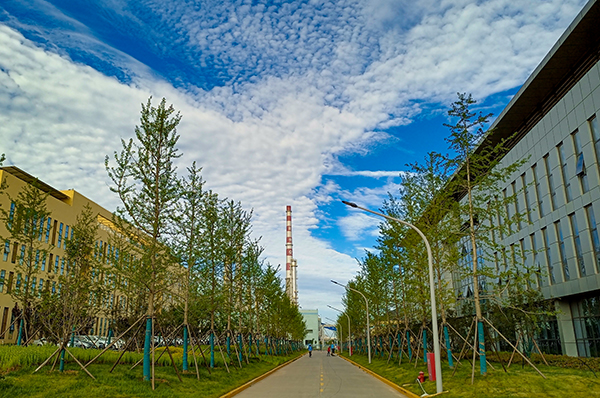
{"type": "Point", "coordinates": [518, 382]}
{"type": "Point", "coordinates": [17, 379]}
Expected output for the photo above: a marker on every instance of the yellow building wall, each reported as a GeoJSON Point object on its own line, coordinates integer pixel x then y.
{"type": "Point", "coordinates": [62, 212]}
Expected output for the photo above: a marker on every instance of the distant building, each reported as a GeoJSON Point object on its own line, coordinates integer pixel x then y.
{"type": "Point", "coordinates": [314, 334]}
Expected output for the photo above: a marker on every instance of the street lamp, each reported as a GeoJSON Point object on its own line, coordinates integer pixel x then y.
{"type": "Point", "coordinates": [434, 325]}
{"type": "Point", "coordinates": [367, 307]}
{"type": "Point", "coordinates": [349, 340]}
{"type": "Point", "coordinates": [341, 335]}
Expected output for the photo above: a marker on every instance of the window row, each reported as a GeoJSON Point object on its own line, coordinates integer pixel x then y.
{"type": "Point", "coordinates": [538, 194]}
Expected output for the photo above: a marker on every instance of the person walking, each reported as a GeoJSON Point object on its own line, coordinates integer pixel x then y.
{"type": "Point", "coordinates": [328, 350]}
{"type": "Point", "coordinates": [310, 350]}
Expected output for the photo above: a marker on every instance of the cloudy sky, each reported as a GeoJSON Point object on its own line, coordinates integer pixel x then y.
{"type": "Point", "coordinates": [299, 103]}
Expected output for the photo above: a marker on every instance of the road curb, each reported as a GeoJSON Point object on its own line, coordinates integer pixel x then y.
{"type": "Point", "coordinates": [257, 379]}
{"type": "Point", "coordinates": [395, 386]}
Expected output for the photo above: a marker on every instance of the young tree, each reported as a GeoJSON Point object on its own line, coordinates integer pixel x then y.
{"type": "Point", "coordinates": [81, 290]}
{"type": "Point", "coordinates": [189, 232]}
{"type": "Point", "coordinates": [24, 222]}
{"type": "Point", "coordinates": [145, 180]}
{"type": "Point", "coordinates": [478, 178]}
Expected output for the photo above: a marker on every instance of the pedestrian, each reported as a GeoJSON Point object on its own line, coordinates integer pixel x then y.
{"type": "Point", "coordinates": [332, 349]}
{"type": "Point", "coordinates": [310, 350]}
{"type": "Point", "coordinates": [328, 350]}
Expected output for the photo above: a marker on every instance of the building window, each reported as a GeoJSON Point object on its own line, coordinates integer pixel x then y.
{"type": "Point", "coordinates": [41, 229]}
{"type": "Point", "coordinates": [593, 123]}
{"type": "Point", "coordinates": [550, 177]}
{"type": "Point", "coordinates": [6, 249]}
{"type": "Point", "coordinates": [548, 337]}
{"type": "Point", "coordinates": [536, 259]}
{"type": "Point", "coordinates": [53, 287]}
{"type": "Point", "coordinates": [517, 207]}
{"type": "Point", "coordinates": [37, 260]}
{"type": "Point", "coordinates": [60, 232]}
{"type": "Point", "coordinates": [561, 251]}
{"type": "Point", "coordinates": [536, 186]}
{"type": "Point", "coordinates": [580, 170]}
{"type": "Point", "coordinates": [548, 254]}
{"type": "Point", "coordinates": [593, 227]}
{"type": "Point", "coordinates": [564, 172]}
{"type": "Point", "coordinates": [22, 256]}
{"type": "Point", "coordinates": [507, 212]}
{"type": "Point", "coordinates": [18, 284]}
{"type": "Point", "coordinates": [11, 215]}
{"type": "Point", "coordinates": [527, 197]}
{"type": "Point", "coordinates": [41, 287]}
{"type": "Point", "coordinates": [586, 322]}
{"type": "Point", "coordinates": [48, 228]}
{"type": "Point", "coordinates": [44, 262]}
{"type": "Point", "coordinates": [2, 276]}
{"type": "Point", "coordinates": [56, 261]}
{"type": "Point", "coordinates": [62, 266]}
{"type": "Point", "coordinates": [577, 241]}
{"type": "Point", "coordinates": [66, 235]}
{"type": "Point", "coordinates": [33, 285]}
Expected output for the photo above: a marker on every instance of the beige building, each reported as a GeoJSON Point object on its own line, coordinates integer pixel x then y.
{"type": "Point", "coordinates": [64, 207]}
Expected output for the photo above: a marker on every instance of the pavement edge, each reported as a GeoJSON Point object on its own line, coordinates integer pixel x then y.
{"type": "Point", "coordinates": [259, 378]}
{"type": "Point", "coordinates": [395, 386]}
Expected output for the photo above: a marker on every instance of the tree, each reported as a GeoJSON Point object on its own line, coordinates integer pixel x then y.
{"type": "Point", "coordinates": [145, 180]}
{"type": "Point", "coordinates": [478, 178]}
{"type": "Point", "coordinates": [81, 289]}
{"type": "Point", "coordinates": [189, 232]}
{"type": "Point", "coordinates": [25, 222]}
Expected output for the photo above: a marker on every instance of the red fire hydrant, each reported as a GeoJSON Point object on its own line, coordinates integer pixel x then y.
{"type": "Point", "coordinates": [421, 377]}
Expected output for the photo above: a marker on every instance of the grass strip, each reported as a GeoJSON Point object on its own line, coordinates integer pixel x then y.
{"type": "Point", "coordinates": [520, 381]}
{"type": "Point", "coordinates": [18, 381]}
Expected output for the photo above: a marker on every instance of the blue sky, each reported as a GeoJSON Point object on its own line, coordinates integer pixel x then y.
{"type": "Point", "coordinates": [284, 102]}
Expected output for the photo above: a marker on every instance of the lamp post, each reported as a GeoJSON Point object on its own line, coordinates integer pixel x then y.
{"type": "Point", "coordinates": [349, 340]}
{"type": "Point", "coordinates": [367, 307]}
{"type": "Point", "coordinates": [341, 335]}
{"type": "Point", "coordinates": [434, 324]}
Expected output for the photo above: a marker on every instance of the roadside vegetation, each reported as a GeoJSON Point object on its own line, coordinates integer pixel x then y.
{"type": "Point", "coordinates": [520, 381]}
{"type": "Point", "coordinates": [17, 378]}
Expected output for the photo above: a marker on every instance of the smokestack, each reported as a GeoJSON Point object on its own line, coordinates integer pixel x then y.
{"type": "Point", "coordinates": [289, 288]}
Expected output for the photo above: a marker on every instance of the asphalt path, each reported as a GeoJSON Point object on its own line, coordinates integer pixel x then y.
{"type": "Point", "coordinates": [320, 376]}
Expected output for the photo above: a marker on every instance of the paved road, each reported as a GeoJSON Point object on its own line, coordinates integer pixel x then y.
{"type": "Point", "coordinates": [320, 376]}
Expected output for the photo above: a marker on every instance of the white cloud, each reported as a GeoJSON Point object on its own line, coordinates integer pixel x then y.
{"type": "Point", "coordinates": [299, 85]}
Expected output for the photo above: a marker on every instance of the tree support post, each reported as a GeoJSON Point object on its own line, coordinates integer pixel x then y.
{"type": "Point", "coordinates": [147, 370]}
{"type": "Point", "coordinates": [448, 350]}
{"type": "Point", "coordinates": [185, 348]}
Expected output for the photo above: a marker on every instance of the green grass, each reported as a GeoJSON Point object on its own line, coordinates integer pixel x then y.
{"type": "Point", "coordinates": [518, 382]}
{"type": "Point", "coordinates": [18, 380]}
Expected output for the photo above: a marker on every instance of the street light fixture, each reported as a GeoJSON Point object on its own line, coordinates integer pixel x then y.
{"type": "Point", "coordinates": [434, 324]}
{"type": "Point", "coordinates": [349, 340]}
{"type": "Point", "coordinates": [367, 307]}
{"type": "Point", "coordinates": [341, 339]}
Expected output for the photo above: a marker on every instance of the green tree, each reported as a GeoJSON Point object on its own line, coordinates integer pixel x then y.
{"type": "Point", "coordinates": [478, 179]}
{"type": "Point", "coordinates": [82, 290]}
{"type": "Point", "coordinates": [145, 180]}
{"type": "Point", "coordinates": [189, 232]}
{"type": "Point", "coordinates": [24, 222]}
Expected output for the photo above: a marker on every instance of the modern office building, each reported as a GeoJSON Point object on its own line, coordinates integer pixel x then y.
{"type": "Point", "coordinates": [555, 116]}
{"type": "Point", "coordinates": [314, 331]}
{"type": "Point", "coordinates": [64, 207]}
